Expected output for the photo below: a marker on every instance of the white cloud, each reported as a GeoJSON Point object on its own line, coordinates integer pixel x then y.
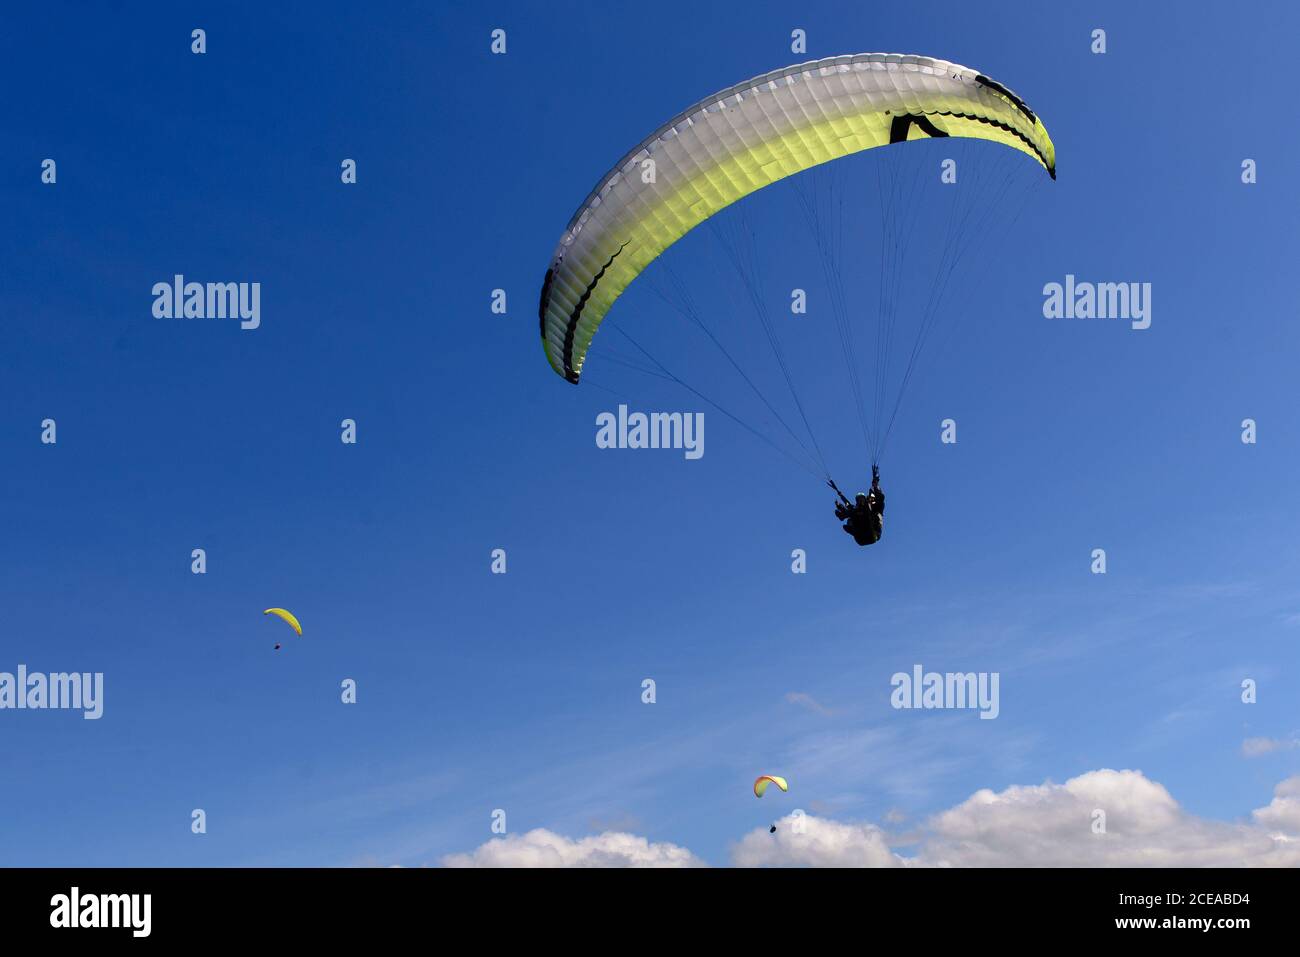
{"type": "Point", "coordinates": [542, 848]}
{"type": "Point", "coordinates": [821, 843]}
{"type": "Point", "coordinates": [1283, 813]}
{"type": "Point", "coordinates": [1045, 825]}
{"type": "Point", "coordinates": [1051, 825]}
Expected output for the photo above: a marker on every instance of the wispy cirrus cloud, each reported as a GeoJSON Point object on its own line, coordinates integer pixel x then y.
{"type": "Point", "coordinates": [808, 701]}
{"type": "Point", "coordinates": [1256, 747]}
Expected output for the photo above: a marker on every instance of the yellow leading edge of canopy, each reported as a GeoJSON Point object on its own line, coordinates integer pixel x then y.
{"type": "Point", "coordinates": [738, 175]}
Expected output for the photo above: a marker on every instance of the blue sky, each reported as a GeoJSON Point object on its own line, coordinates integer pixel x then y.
{"type": "Point", "coordinates": [522, 691]}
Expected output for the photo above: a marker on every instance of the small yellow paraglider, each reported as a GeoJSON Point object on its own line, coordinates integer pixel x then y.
{"type": "Point", "coordinates": [288, 616]}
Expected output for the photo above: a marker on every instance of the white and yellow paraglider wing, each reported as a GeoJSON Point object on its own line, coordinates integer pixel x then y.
{"type": "Point", "coordinates": [750, 136]}
{"type": "Point", "coordinates": [762, 782]}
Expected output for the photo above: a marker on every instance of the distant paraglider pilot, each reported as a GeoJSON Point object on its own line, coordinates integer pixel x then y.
{"type": "Point", "coordinates": [864, 517]}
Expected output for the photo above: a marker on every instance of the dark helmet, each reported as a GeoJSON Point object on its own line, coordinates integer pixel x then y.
{"type": "Point", "coordinates": [861, 497]}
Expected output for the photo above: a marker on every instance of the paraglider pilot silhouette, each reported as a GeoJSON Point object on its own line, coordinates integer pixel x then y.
{"type": "Point", "coordinates": [864, 517]}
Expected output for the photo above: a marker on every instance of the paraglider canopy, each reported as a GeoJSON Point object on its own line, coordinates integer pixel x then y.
{"type": "Point", "coordinates": [287, 616]}
{"type": "Point", "coordinates": [761, 784]}
{"type": "Point", "coordinates": [742, 139]}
